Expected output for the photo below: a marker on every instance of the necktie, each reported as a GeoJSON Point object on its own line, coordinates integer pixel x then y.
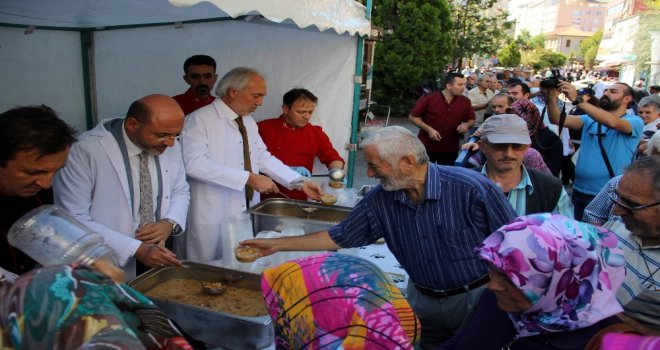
{"type": "Point", "coordinates": [146, 210]}
{"type": "Point", "coordinates": [247, 165]}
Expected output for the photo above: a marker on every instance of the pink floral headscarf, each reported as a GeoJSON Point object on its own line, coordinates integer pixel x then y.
{"type": "Point", "coordinates": [570, 271]}
{"type": "Point", "coordinates": [527, 110]}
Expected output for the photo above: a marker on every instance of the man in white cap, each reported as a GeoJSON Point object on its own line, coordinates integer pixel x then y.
{"type": "Point", "coordinates": [504, 140]}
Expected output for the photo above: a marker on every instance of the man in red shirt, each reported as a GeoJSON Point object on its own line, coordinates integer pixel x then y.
{"type": "Point", "coordinates": [296, 142]}
{"type": "Point", "coordinates": [200, 75]}
{"type": "Point", "coordinates": [442, 117]}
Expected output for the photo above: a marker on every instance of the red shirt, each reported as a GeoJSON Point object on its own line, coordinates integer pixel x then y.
{"type": "Point", "coordinates": [297, 147]}
{"type": "Point", "coordinates": [443, 117]}
{"type": "Point", "coordinates": [189, 102]}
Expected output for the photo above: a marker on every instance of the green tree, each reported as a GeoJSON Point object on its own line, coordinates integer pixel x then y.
{"type": "Point", "coordinates": [510, 55]}
{"type": "Point", "coordinates": [480, 29]}
{"type": "Point", "coordinates": [589, 48]}
{"type": "Point", "coordinates": [544, 58]}
{"type": "Point", "coordinates": [415, 51]}
{"type": "Point", "coordinates": [527, 42]}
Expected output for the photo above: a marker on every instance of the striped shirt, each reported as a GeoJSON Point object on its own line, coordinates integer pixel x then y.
{"type": "Point", "coordinates": [517, 196]}
{"type": "Point", "coordinates": [434, 240]}
{"type": "Point", "coordinates": [640, 293]}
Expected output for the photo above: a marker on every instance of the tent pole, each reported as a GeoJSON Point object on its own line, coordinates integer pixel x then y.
{"type": "Point", "coordinates": [86, 47]}
{"type": "Point", "coordinates": [355, 122]}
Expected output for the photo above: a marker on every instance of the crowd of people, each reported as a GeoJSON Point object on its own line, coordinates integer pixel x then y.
{"type": "Point", "coordinates": [502, 247]}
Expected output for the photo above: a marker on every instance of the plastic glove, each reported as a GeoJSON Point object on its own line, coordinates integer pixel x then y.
{"type": "Point", "coordinates": [301, 170]}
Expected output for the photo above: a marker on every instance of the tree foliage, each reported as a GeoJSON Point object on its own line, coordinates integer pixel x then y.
{"type": "Point", "coordinates": [544, 58]}
{"type": "Point", "coordinates": [480, 29]}
{"type": "Point", "coordinates": [416, 50]}
{"type": "Point", "coordinates": [589, 48]}
{"type": "Point", "coordinates": [509, 56]}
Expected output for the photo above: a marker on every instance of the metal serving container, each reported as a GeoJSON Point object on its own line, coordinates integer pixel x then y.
{"type": "Point", "coordinates": [214, 328]}
{"type": "Point", "coordinates": [277, 214]}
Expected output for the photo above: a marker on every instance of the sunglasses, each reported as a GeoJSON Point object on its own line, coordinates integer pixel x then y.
{"type": "Point", "coordinates": [505, 146]}
{"type": "Point", "coordinates": [628, 209]}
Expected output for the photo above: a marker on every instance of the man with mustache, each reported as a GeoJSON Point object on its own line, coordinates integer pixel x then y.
{"type": "Point", "coordinates": [200, 75]}
{"type": "Point", "coordinates": [609, 138]}
{"type": "Point", "coordinates": [34, 144]}
{"type": "Point", "coordinates": [431, 217]}
{"type": "Point", "coordinates": [125, 180]}
{"type": "Point", "coordinates": [504, 140]}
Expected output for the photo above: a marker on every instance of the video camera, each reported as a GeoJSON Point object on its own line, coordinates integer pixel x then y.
{"type": "Point", "coordinates": [553, 81]}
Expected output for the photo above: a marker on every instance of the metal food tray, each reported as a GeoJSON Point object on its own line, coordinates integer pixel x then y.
{"type": "Point", "coordinates": [277, 214]}
{"type": "Point", "coordinates": [212, 327]}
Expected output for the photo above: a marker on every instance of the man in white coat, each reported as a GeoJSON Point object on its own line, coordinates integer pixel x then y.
{"type": "Point", "coordinates": [222, 185]}
{"type": "Point", "coordinates": [100, 184]}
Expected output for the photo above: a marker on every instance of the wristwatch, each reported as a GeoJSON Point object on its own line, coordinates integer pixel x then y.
{"type": "Point", "coordinates": [176, 228]}
{"type": "Point", "coordinates": [578, 100]}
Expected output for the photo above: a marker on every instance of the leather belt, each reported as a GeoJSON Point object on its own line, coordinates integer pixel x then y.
{"type": "Point", "coordinates": [436, 293]}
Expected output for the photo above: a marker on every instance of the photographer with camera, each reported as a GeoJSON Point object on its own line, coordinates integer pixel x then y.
{"type": "Point", "coordinates": [609, 138]}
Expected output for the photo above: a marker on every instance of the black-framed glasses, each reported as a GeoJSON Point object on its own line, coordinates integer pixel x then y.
{"type": "Point", "coordinates": [630, 210]}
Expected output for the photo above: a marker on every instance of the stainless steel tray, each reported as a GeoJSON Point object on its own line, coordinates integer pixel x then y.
{"type": "Point", "coordinates": [212, 327]}
{"type": "Point", "coordinates": [277, 214]}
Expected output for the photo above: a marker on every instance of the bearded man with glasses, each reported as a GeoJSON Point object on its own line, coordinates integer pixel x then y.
{"type": "Point", "coordinates": [637, 203]}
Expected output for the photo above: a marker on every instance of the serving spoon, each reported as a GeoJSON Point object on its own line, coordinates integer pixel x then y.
{"type": "Point", "coordinates": [210, 288]}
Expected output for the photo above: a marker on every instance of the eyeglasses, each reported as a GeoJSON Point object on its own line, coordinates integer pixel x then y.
{"type": "Point", "coordinates": [505, 146]}
{"type": "Point", "coordinates": [630, 210]}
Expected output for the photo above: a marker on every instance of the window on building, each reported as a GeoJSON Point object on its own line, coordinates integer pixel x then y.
{"type": "Point", "coordinates": [576, 13]}
{"type": "Point", "coordinates": [568, 42]}
{"type": "Point", "coordinates": [588, 12]}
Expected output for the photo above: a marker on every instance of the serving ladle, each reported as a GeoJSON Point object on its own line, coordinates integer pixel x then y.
{"type": "Point", "coordinates": [210, 288]}
{"type": "Point", "coordinates": [306, 210]}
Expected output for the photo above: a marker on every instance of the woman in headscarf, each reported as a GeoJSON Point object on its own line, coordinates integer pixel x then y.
{"type": "Point", "coordinates": [552, 285]}
{"type": "Point", "coordinates": [336, 301]}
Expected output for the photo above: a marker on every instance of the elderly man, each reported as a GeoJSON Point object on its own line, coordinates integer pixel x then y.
{"type": "Point", "coordinates": [125, 180]}
{"type": "Point", "coordinates": [295, 141]}
{"type": "Point", "coordinates": [199, 73]}
{"type": "Point", "coordinates": [637, 201]}
{"type": "Point", "coordinates": [609, 138]}
{"type": "Point", "coordinates": [480, 96]}
{"type": "Point", "coordinates": [224, 157]}
{"type": "Point", "coordinates": [504, 141]}
{"type": "Point", "coordinates": [34, 144]}
{"type": "Point", "coordinates": [442, 116]}
{"type": "Point", "coordinates": [431, 217]}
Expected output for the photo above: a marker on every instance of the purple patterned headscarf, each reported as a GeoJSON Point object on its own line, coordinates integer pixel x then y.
{"type": "Point", "coordinates": [569, 271]}
{"type": "Point", "coordinates": [527, 110]}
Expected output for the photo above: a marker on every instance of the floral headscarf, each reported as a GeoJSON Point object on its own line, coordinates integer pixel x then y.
{"type": "Point", "coordinates": [569, 271]}
{"type": "Point", "coordinates": [527, 110]}
{"type": "Point", "coordinates": [336, 301]}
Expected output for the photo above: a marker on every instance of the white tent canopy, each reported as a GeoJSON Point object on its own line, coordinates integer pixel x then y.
{"type": "Point", "coordinates": [89, 58]}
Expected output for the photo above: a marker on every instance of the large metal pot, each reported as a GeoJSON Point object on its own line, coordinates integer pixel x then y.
{"type": "Point", "coordinates": [214, 328]}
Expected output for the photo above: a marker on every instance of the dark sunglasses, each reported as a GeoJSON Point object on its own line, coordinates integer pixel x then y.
{"type": "Point", "coordinates": [629, 209]}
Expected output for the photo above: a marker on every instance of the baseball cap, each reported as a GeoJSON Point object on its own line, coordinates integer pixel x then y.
{"type": "Point", "coordinates": [505, 128]}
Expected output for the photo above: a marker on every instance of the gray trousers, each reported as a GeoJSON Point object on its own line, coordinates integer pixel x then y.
{"type": "Point", "coordinates": [442, 317]}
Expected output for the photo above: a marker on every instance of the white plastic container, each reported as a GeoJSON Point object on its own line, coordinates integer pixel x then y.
{"type": "Point", "coordinates": [51, 236]}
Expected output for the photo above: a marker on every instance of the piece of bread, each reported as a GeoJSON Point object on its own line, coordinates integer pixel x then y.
{"type": "Point", "coordinates": [328, 199]}
{"type": "Point", "coordinates": [246, 254]}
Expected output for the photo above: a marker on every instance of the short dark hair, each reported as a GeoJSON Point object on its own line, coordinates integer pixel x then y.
{"type": "Point", "coordinates": [523, 87]}
{"type": "Point", "coordinates": [294, 94]}
{"type": "Point", "coordinates": [647, 168]}
{"type": "Point", "coordinates": [33, 128]}
{"type": "Point", "coordinates": [628, 91]}
{"type": "Point", "coordinates": [198, 60]}
{"type": "Point", "coordinates": [139, 111]}
{"type": "Point", "coordinates": [449, 80]}
{"type": "Point", "coordinates": [655, 88]}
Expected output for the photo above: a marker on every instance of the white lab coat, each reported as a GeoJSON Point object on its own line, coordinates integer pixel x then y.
{"type": "Point", "coordinates": [93, 186]}
{"type": "Point", "coordinates": [213, 155]}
